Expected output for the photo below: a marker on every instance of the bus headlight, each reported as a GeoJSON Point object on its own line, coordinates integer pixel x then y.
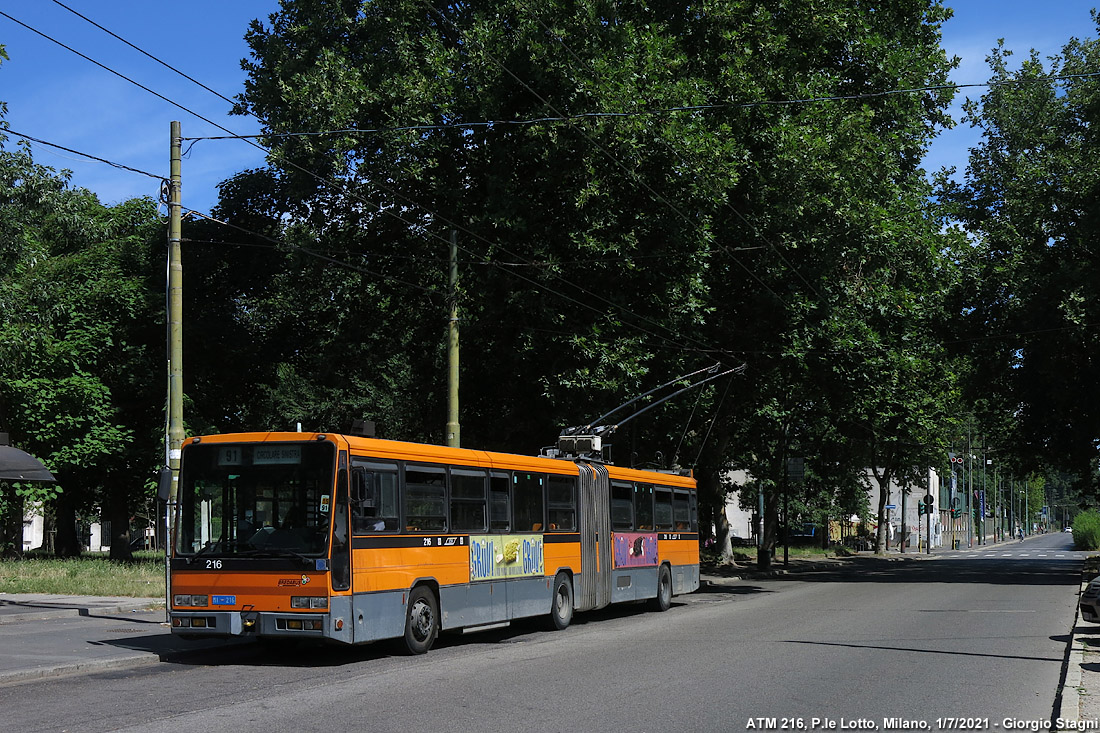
{"type": "Point", "coordinates": [188, 600]}
{"type": "Point", "coordinates": [309, 601]}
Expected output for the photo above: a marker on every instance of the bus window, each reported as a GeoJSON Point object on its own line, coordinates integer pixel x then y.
{"type": "Point", "coordinates": [467, 500]}
{"type": "Point", "coordinates": [622, 515]}
{"type": "Point", "coordinates": [527, 502]}
{"type": "Point", "coordinates": [681, 513]}
{"type": "Point", "coordinates": [374, 505]}
{"type": "Point", "coordinates": [663, 512]}
{"type": "Point", "coordinates": [643, 507]}
{"type": "Point", "coordinates": [425, 498]}
{"type": "Point", "coordinates": [694, 512]}
{"type": "Point", "coordinates": [561, 493]}
{"type": "Point", "coordinates": [499, 511]}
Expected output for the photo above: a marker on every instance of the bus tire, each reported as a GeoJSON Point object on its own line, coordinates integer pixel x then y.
{"type": "Point", "coordinates": [561, 605]}
{"type": "Point", "coordinates": [421, 620]}
{"type": "Point", "coordinates": [663, 601]}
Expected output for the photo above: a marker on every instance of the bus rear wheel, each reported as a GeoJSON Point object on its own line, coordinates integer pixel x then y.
{"type": "Point", "coordinates": [561, 608]}
{"type": "Point", "coordinates": [421, 620]}
{"type": "Point", "coordinates": [663, 601]}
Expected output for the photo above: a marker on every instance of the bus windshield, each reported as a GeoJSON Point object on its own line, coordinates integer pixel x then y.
{"type": "Point", "coordinates": [258, 499]}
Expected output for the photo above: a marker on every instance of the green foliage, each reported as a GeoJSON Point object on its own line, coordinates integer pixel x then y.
{"type": "Point", "coordinates": [1086, 530]}
{"type": "Point", "coordinates": [78, 338]}
{"type": "Point", "coordinates": [601, 256]}
{"type": "Point", "coordinates": [1029, 297]}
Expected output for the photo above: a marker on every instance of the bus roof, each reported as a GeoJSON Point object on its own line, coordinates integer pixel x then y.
{"type": "Point", "coordinates": [401, 450]}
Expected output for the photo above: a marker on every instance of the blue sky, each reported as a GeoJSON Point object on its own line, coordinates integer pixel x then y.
{"type": "Point", "coordinates": [55, 95]}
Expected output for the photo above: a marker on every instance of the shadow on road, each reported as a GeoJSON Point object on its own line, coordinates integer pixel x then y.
{"type": "Point", "coordinates": [731, 590]}
{"type": "Point", "coordinates": [917, 650]}
{"type": "Point", "coordinates": [994, 571]}
{"type": "Point", "coordinates": [316, 654]}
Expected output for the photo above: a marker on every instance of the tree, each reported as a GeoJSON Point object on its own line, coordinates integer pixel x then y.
{"type": "Point", "coordinates": [661, 213]}
{"type": "Point", "coordinates": [1029, 302]}
{"type": "Point", "coordinates": [78, 327]}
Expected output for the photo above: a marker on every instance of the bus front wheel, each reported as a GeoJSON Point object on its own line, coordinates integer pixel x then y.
{"type": "Point", "coordinates": [663, 601]}
{"type": "Point", "coordinates": [421, 621]}
{"type": "Point", "coordinates": [561, 610]}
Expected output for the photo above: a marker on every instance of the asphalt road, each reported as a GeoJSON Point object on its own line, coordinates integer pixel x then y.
{"type": "Point", "coordinates": [972, 638]}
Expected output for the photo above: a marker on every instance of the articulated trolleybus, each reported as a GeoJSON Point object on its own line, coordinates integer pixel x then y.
{"type": "Point", "coordinates": [350, 539]}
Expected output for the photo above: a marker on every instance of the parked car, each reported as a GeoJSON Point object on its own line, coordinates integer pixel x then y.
{"type": "Point", "coordinates": [1090, 601]}
{"type": "Point", "coordinates": [1068, 529]}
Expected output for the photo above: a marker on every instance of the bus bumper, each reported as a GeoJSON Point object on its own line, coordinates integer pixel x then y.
{"type": "Point", "coordinates": [228, 624]}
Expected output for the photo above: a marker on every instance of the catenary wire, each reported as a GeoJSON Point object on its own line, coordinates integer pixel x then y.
{"type": "Point", "coordinates": [118, 74]}
{"type": "Point", "coordinates": [468, 125]}
{"type": "Point", "coordinates": [599, 147]}
{"type": "Point", "coordinates": [113, 164]}
{"type": "Point", "coordinates": [343, 188]}
{"type": "Point", "coordinates": [299, 248]}
{"type": "Point", "coordinates": [144, 52]}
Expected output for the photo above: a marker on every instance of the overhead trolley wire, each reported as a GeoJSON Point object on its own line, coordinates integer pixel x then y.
{"type": "Point", "coordinates": [299, 248]}
{"type": "Point", "coordinates": [714, 106]}
{"type": "Point", "coordinates": [343, 187]}
{"type": "Point", "coordinates": [7, 130]}
{"type": "Point", "coordinates": [143, 52]}
{"type": "Point", "coordinates": [468, 125]}
{"type": "Point", "coordinates": [595, 144]}
{"type": "Point", "coordinates": [118, 74]}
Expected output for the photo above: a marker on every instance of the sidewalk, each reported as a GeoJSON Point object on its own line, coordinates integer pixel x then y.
{"type": "Point", "coordinates": [1080, 698]}
{"type": "Point", "coordinates": [51, 636]}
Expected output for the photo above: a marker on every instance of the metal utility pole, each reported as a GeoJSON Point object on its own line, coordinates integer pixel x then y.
{"type": "Point", "coordinates": [928, 541]}
{"type": "Point", "coordinates": [453, 428]}
{"type": "Point", "coordinates": [175, 314]}
{"type": "Point", "coordinates": [175, 345]}
{"type": "Point", "coordinates": [904, 523]}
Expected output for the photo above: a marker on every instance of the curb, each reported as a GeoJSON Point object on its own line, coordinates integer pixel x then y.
{"type": "Point", "coordinates": [44, 613]}
{"type": "Point", "coordinates": [1069, 698]}
{"type": "Point", "coordinates": [144, 659]}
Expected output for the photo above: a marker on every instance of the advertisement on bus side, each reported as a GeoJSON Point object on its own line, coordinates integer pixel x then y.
{"type": "Point", "coordinates": [494, 557]}
{"type": "Point", "coordinates": [635, 549]}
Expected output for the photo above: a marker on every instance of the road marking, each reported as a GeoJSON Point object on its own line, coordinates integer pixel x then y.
{"type": "Point", "coordinates": [1000, 610]}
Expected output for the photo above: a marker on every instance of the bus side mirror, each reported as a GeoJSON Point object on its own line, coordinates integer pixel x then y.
{"type": "Point", "coordinates": [164, 485]}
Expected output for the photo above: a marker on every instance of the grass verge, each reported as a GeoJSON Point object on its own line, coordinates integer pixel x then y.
{"type": "Point", "coordinates": [89, 575]}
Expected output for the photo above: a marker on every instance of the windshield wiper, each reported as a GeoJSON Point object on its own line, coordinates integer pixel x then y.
{"type": "Point", "coordinates": [253, 551]}
{"type": "Point", "coordinates": [208, 547]}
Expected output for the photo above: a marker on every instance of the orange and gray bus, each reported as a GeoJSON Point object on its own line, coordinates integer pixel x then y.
{"type": "Point", "coordinates": [354, 540]}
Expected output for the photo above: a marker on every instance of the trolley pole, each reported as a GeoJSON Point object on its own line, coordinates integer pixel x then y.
{"type": "Point", "coordinates": [175, 344]}
{"type": "Point", "coordinates": [454, 439]}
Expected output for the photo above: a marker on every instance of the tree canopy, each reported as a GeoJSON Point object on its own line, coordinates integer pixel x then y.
{"type": "Point", "coordinates": [638, 191]}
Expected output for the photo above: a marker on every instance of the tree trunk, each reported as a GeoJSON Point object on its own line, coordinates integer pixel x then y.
{"type": "Point", "coordinates": [67, 539]}
{"type": "Point", "coordinates": [713, 496]}
{"type": "Point", "coordinates": [119, 516]}
{"type": "Point", "coordinates": [11, 522]}
{"type": "Point", "coordinates": [714, 499]}
{"type": "Point", "coordinates": [771, 530]}
{"type": "Point", "coordinates": [883, 481]}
